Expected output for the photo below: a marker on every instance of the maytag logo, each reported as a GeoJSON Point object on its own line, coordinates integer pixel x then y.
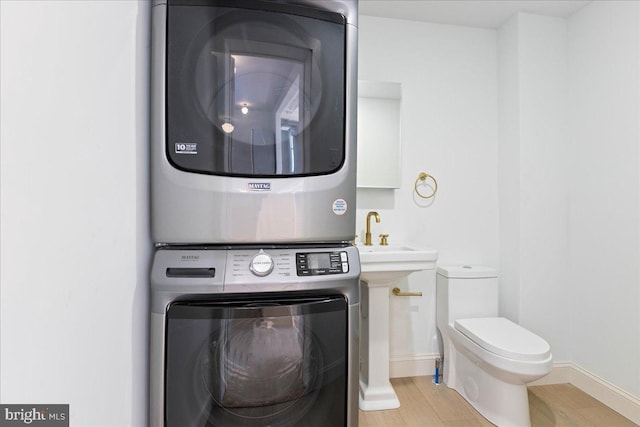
{"type": "Point", "coordinates": [259, 186]}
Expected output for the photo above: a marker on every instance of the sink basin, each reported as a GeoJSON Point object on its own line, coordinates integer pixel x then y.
{"type": "Point", "coordinates": [386, 263]}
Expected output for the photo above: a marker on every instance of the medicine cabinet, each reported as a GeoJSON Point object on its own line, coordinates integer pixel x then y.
{"type": "Point", "coordinates": [379, 134]}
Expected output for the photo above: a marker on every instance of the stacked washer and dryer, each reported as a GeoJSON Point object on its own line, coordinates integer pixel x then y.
{"type": "Point", "coordinates": [254, 282]}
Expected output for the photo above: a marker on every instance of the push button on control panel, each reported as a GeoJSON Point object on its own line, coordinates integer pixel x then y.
{"type": "Point", "coordinates": [261, 264]}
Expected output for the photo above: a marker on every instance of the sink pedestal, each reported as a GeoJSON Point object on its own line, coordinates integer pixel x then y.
{"type": "Point", "coordinates": [380, 266]}
{"type": "Point", "coordinates": [376, 392]}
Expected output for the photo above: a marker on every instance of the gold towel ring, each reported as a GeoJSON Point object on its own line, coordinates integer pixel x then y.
{"type": "Point", "coordinates": [422, 177]}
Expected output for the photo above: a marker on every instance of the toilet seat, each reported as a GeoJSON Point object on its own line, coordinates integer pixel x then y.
{"type": "Point", "coordinates": [504, 338]}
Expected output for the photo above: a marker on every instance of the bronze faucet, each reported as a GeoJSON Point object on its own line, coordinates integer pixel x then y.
{"type": "Point", "coordinates": [367, 236]}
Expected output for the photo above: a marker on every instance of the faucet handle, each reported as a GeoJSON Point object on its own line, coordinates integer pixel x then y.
{"type": "Point", "coordinates": [383, 240]}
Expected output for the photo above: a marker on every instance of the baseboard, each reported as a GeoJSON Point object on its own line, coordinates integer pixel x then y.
{"type": "Point", "coordinates": [624, 403]}
{"type": "Point", "coordinates": [614, 397]}
{"type": "Point", "coordinates": [413, 365]}
{"type": "Point", "coordinates": [561, 373]}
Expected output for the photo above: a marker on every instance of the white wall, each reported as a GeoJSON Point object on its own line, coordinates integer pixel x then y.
{"type": "Point", "coordinates": [543, 162]}
{"type": "Point", "coordinates": [449, 130]}
{"type": "Point", "coordinates": [75, 246]}
{"type": "Point", "coordinates": [533, 189]}
{"type": "Point", "coordinates": [509, 168]}
{"type": "Point", "coordinates": [569, 109]}
{"type": "Point", "coordinates": [604, 219]}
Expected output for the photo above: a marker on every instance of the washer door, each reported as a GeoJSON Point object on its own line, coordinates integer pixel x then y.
{"type": "Point", "coordinates": [277, 362]}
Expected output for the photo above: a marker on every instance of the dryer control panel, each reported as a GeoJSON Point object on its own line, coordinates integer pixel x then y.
{"type": "Point", "coordinates": [321, 263]}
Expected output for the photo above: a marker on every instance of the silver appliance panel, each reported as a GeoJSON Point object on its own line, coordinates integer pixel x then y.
{"type": "Point", "coordinates": [232, 273]}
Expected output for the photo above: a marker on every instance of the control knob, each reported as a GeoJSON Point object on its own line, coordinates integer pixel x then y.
{"type": "Point", "coordinates": [261, 264]}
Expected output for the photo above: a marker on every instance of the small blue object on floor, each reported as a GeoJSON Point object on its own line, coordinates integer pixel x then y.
{"type": "Point", "coordinates": [436, 375]}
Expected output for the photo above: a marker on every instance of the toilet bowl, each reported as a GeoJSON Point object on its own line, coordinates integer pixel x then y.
{"type": "Point", "coordinates": [488, 359]}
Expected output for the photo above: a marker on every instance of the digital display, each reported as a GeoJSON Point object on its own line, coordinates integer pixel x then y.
{"type": "Point", "coordinates": [318, 261]}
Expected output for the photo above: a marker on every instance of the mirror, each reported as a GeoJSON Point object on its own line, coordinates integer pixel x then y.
{"type": "Point", "coordinates": [379, 134]}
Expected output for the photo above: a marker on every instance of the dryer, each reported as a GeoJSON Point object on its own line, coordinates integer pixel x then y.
{"type": "Point", "coordinates": [253, 109]}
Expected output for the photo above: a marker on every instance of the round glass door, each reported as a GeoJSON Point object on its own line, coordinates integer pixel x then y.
{"type": "Point", "coordinates": [257, 363]}
{"type": "Point", "coordinates": [255, 92]}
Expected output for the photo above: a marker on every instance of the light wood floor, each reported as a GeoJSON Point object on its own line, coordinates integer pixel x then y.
{"type": "Point", "coordinates": [424, 404]}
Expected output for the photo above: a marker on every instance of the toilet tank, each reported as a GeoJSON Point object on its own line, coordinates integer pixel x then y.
{"type": "Point", "coordinates": [465, 291]}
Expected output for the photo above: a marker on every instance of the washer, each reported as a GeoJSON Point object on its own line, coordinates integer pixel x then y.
{"type": "Point", "coordinates": [255, 336]}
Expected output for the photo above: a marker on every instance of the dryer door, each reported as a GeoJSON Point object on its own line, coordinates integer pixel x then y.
{"type": "Point", "coordinates": [258, 362]}
{"type": "Point", "coordinates": [255, 89]}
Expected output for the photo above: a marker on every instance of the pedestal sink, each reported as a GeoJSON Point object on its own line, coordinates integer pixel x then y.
{"type": "Point", "coordinates": [380, 265]}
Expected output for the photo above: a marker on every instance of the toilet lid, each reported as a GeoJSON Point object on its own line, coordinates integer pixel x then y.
{"type": "Point", "coordinates": [505, 338]}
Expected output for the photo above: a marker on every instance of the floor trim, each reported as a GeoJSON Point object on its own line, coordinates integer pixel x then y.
{"type": "Point", "coordinates": [624, 403]}
{"type": "Point", "coordinates": [611, 395]}
{"type": "Point", "coordinates": [413, 365]}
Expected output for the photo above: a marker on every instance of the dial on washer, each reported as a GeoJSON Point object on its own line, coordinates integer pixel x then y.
{"type": "Point", "coordinates": [261, 264]}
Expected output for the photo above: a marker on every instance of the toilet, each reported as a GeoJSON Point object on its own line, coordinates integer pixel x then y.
{"type": "Point", "coordinates": [488, 359]}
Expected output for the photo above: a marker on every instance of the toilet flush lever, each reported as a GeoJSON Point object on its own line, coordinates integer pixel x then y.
{"type": "Point", "coordinates": [398, 293]}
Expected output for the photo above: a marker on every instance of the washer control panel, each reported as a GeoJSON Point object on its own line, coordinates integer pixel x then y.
{"type": "Point", "coordinates": [321, 263]}
{"type": "Point", "coordinates": [292, 266]}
